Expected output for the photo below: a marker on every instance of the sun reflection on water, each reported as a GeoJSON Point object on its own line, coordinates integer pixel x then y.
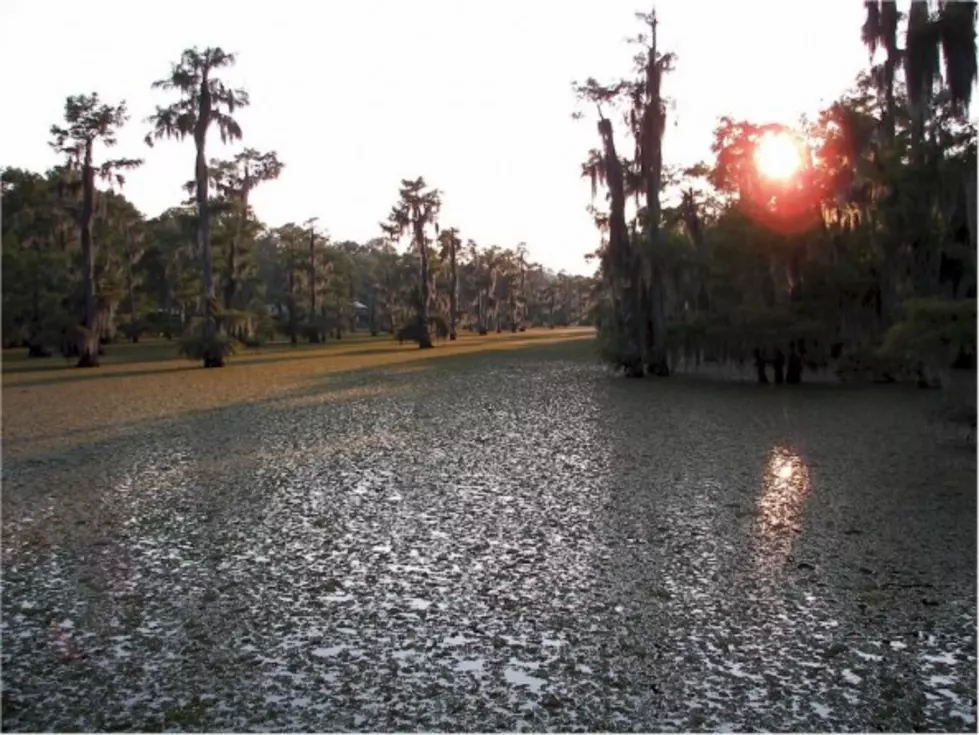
{"type": "Point", "coordinates": [785, 486]}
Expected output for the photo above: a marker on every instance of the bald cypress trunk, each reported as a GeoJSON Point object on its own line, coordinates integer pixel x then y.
{"type": "Point", "coordinates": [424, 336]}
{"type": "Point", "coordinates": [231, 286]}
{"type": "Point", "coordinates": [314, 329]}
{"type": "Point", "coordinates": [624, 277]}
{"type": "Point", "coordinates": [88, 341]}
{"type": "Point", "coordinates": [212, 353]}
{"type": "Point", "coordinates": [652, 161]}
{"type": "Point", "coordinates": [130, 285]}
{"type": "Point", "coordinates": [453, 288]}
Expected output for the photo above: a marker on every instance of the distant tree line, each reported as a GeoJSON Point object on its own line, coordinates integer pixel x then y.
{"type": "Point", "coordinates": [83, 267]}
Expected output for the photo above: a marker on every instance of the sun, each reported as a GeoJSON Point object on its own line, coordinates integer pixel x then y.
{"type": "Point", "coordinates": [777, 156]}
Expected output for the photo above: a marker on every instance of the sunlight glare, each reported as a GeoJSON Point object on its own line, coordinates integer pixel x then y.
{"type": "Point", "coordinates": [785, 487]}
{"type": "Point", "coordinates": [784, 469]}
{"type": "Point", "coordinates": [777, 156]}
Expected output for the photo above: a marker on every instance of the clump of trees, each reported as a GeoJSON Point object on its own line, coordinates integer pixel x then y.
{"type": "Point", "coordinates": [864, 258]}
{"type": "Point", "coordinates": [83, 267]}
{"type": "Point", "coordinates": [88, 123]}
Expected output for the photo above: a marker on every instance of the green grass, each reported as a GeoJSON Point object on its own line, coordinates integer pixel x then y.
{"type": "Point", "coordinates": [47, 403]}
{"type": "Point", "coordinates": [148, 354]}
{"type": "Point", "coordinates": [157, 350]}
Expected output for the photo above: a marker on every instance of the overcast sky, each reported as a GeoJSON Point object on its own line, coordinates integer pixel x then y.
{"type": "Point", "coordinates": [476, 97]}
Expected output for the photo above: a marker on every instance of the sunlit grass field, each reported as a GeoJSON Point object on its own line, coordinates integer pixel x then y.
{"type": "Point", "coordinates": [47, 402]}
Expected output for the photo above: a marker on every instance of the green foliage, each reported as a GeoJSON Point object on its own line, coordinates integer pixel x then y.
{"type": "Point", "coordinates": [231, 320]}
{"type": "Point", "coordinates": [882, 210]}
{"type": "Point", "coordinates": [148, 274]}
{"type": "Point", "coordinates": [867, 364]}
{"type": "Point", "coordinates": [132, 329]}
{"type": "Point", "coordinates": [255, 341]}
{"type": "Point", "coordinates": [934, 331]}
{"type": "Point", "coordinates": [263, 327]}
{"type": "Point", "coordinates": [197, 344]}
{"type": "Point", "coordinates": [614, 349]}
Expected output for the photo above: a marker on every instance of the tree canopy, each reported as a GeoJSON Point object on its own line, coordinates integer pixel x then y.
{"type": "Point", "coordinates": [864, 253]}
{"type": "Point", "coordinates": [849, 238]}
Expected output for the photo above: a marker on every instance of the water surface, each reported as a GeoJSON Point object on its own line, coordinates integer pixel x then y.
{"type": "Point", "coordinates": [517, 544]}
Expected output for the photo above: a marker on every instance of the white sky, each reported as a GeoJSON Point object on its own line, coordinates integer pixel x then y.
{"type": "Point", "coordinates": [476, 97]}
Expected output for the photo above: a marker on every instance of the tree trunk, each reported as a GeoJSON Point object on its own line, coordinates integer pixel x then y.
{"type": "Point", "coordinates": [652, 145]}
{"type": "Point", "coordinates": [106, 319]}
{"type": "Point", "coordinates": [760, 367]}
{"type": "Point", "coordinates": [88, 343]}
{"type": "Point", "coordinates": [424, 337]}
{"type": "Point", "coordinates": [523, 291]}
{"type": "Point", "coordinates": [35, 346]}
{"type": "Point", "coordinates": [339, 311]}
{"type": "Point", "coordinates": [312, 274]}
{"type": "Point", "coordinates": [453, 288]}
{"type": "Point", "coordinates": [627, 326]}
{"type": "Point", "coordinates": [890, 64]}
{"type": "Point", "coordinates": [134, 332]}
{"type": "Point", "coordinates": [293, 322]}
{"type": "Point", "coordinates": [482, 326]}
{"type": "Point", "coordinates": [695, 232]}
{"type": "Point", "coordinates": [372, 311]}
{"type": "Point", "coordinates": [793, 374]}
{"type": "Point", "coordinates": [212, 354]}
{"type": "Point", "coordinates": [231, 284]}
{"type": "Point", "coordinates": [778, 365]}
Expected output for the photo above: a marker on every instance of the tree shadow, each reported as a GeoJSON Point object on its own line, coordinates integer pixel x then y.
{"type": "Point", "coordinates": [95, 374]}
{"type": "Point", "coordinates": [283, 354]}
{"type": "Point", "coordinates": [343, 384]}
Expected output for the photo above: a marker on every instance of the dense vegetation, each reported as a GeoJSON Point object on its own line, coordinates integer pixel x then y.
{"type": "Point", "coordinates": [866, 255]}
{"type": "Point", "coordinates": [83, 267]}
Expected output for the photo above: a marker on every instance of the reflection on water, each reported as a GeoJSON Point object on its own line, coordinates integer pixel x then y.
{"type": "Point", "coordinates": [784, 489]}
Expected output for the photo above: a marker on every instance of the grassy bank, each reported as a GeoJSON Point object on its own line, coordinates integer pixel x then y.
{"type": "Point", "coordinates": [47, 403]}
